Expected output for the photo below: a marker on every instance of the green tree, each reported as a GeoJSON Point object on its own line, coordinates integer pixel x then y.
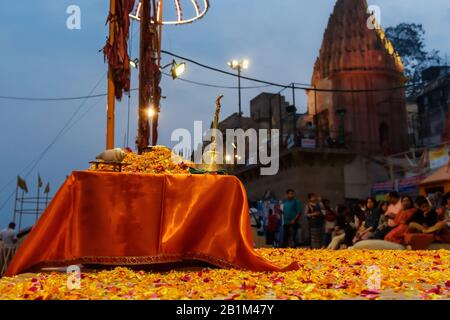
{"type": "Point", "coordinates": [409, 41]}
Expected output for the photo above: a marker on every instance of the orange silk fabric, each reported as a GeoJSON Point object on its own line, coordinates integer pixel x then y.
{"type": "Point", "coordinates": [140, 219]}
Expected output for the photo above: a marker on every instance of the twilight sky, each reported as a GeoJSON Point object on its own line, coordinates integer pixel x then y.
{"type": "Point", "coordinates": [42, 58]}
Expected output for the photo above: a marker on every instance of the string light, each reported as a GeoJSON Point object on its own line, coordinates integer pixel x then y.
{"type": "Point", "coordinates": [199, 13]}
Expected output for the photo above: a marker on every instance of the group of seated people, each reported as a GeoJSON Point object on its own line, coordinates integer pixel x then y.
{"type": "Point", "coordinates": [413, 224]}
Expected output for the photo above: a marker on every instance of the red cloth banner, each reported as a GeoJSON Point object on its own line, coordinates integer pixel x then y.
{"type": "Point", "coordinates": [117, 52]}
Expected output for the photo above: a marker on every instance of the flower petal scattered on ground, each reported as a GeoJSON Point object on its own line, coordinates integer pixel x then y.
{"type": "Point", "coordinates": [346, 274]}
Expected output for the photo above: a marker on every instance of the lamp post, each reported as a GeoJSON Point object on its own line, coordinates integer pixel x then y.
{"type": "Point", "coordinates": [239, 65]}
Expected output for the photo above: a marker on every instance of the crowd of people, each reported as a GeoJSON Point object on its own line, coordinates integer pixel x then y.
{"type": "Point", "coordinates": [413, 223]}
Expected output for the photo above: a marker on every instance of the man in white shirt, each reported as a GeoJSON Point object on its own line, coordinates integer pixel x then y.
{"type": "Point", "coordinates": [8, 236]}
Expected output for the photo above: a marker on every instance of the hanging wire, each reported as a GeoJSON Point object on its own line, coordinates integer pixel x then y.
{"type": "Point", "coordinates": [32, 165]}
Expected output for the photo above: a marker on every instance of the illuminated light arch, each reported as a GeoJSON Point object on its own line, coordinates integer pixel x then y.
{"type": "Point", "coordinates": [200, 12]}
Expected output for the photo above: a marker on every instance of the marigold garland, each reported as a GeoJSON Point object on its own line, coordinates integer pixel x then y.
{"type": "Point", "coordinates": [157, 161]}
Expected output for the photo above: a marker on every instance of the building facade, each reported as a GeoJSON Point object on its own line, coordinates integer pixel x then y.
{"type": "Point", "coordinates": [432, 102]}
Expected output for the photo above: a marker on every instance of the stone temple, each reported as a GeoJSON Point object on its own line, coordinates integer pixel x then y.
{"type": "Point", "coordinates": [356, 56]}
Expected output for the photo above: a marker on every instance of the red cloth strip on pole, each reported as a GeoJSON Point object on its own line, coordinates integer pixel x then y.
{"type": "Point", "coordinates": [117, 52]}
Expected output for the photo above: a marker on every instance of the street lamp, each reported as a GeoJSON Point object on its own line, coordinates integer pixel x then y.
{"type": "Point", "coordinates": [239, 65]}
{"type": "Point", "coordinates": [134, 63]}
{"type": "Point", "coordinates": [177, 69]}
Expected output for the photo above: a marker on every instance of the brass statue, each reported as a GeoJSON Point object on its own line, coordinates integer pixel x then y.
{"type": "Point", "coordinates": [215, 128]}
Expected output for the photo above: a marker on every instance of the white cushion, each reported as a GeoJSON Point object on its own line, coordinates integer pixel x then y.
{"type": "Point", "coordinates": [377, 245]}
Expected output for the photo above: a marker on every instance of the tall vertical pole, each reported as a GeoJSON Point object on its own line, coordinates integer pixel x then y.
{"type": "Point", "coordinates": [37, 201]}
{"type": "Point", "coordinates": [239, 88]}
{"type": "Point", "coordinates": [293, 93]}
{"type": "Point", "coordinates": [316, 120]}
{"type": "Point", "coordinates": [281, 121]}
{"type": "Point", "coordinates": [294, 120]}
{"type": "Point", "coordinates": [145, 82]}
{"type": "Point", "coordinates": [46, 200]}
{"type": "Point", "coordinates": [111, 87]}
{"type": "Point", "coordinates": [270, 119]}
{"type": "Point", "coordinates": [156, 29]}
{"type": "Point", "coordinates": [15, 203]}
{"type": "Point", "coordinates": [21, 209]}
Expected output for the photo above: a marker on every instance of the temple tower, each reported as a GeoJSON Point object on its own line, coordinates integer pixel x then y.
{"type": "Point", "coordinates": [354, 56]}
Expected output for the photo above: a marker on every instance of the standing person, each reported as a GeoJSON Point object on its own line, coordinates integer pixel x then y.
{"type": "Point", "coordinates": [292, 209]}
{"type": "Point", "coordinates": [316, 220]}
{"type": "Point", "coordinates": [371, 219]}
{"type": "Point", "coordinates": [330, 221]}
{"type": "Point", "coordinates": [272, 227]}
{"type": "Point", "coordinates": [278, 237]}
{"type": "Point", "coordinates": [8, 236]}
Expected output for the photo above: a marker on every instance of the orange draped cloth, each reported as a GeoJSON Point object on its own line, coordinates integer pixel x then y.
{"type": "Point", "coordinates": [141, 219]}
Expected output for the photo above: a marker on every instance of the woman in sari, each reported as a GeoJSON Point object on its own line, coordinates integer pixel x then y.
{"type": "Point", "coordinates": [401, 221]}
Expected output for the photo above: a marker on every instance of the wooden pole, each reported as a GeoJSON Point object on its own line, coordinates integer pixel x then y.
{"type": "Point", "coordinates": [156, 59]}
{"type": "Point", "coordinates": [111, 87]}
{"type": "Point", "coordinates": [145, 75]}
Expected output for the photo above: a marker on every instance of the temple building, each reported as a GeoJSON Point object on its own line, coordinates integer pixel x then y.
{"type": "Point", "coordinates": [356, 57]}
{"type": "Point", "coordinates": [356, 116]}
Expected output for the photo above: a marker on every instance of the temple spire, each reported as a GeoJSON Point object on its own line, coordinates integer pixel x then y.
{"type": "Point", "coordinates": [356, 56]}
{"type": "Point", "coordinates": [349, 43]}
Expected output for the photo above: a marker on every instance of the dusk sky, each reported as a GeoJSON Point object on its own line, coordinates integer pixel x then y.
{"type": "Point", "coordinates": [42, 58]}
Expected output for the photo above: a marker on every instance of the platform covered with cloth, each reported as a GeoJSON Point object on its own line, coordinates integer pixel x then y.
{"type": "Point", "coordinates": [100, 218]}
